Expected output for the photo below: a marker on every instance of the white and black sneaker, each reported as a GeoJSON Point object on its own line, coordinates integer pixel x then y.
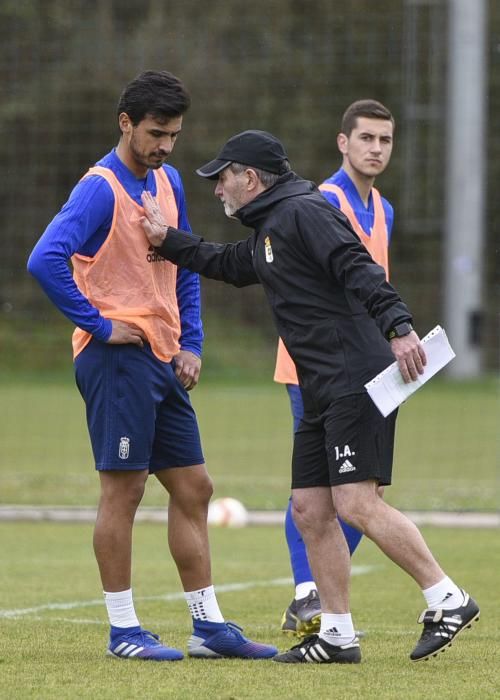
{"type": "Point", "coordinates": [442, 626]}
{"type": "Point", "coordinates": [315, 650]}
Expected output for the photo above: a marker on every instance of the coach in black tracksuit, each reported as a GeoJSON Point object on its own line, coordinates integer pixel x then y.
{"type": "Point", "coordinates": [342, 323]}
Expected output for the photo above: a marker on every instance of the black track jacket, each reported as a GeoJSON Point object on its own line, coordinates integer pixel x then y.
{"type": "Point", "coordinates": [331, 303]}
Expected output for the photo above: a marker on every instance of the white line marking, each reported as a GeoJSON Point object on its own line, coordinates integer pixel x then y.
{"type": "Point", "coordinates": [76, 514]}
{"type": "Point", "coordinates": [73, 620]}
{"type": "Point", "coordinates": [223, 588]}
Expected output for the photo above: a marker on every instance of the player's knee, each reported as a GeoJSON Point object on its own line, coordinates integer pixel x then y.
{"type": "Point", "coordinates": [357, 502]}
{"type": "Point", "coordinates": [202, 488]}
{"type": "Point", "coordinates": [122, 491]}
{"type": "Point", "coordinates": [305, 514]}
{"type": "Point", "coordinates": [206, 490]}
{"type": "Point", "coordinates": [352, 518]}
{"type": "Point", "coordinates": [194, 494]}
{"type": "Point", "coordinates": [354, 512]}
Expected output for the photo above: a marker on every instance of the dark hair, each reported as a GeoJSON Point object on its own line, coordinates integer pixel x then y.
{"type": "Point", "coordinates": [158, 93]}
{"type": "Point", "coordinates": [364, 108]}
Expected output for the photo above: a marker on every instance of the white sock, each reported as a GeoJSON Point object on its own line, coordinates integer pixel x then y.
{"type": "Point", "coordinates": [444, 594]}
{"type": "Point", "coordinates": [120, 607]}
{"type": "Point", "coordinates": [203, 605]}
{"type": "Point", "coordinates": [336, 629]}
{"type": "Point", "coordinates": [302, 590]}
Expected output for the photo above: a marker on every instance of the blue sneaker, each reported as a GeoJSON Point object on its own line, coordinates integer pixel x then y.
{"type": "Point", "coordinates": [217, 640]}
{"type": "Point", "coordinates": [136, 643]}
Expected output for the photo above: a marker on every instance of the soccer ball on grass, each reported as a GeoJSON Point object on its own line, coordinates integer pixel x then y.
{"type": "Point", "coordinates": [227, 512]}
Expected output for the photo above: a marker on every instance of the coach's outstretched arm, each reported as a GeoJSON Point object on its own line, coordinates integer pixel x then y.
{"type": "Point", "coordinates": [227, 262]}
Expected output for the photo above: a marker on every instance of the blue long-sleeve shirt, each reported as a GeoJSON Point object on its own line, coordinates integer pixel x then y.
{"type": "Point", "coordinates": [82, 226]}
{"type": "Point", "coordinates": [365, 215]}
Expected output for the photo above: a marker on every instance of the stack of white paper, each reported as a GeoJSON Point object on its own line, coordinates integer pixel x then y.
{"type": "Point", "coordinates": [388, 390]}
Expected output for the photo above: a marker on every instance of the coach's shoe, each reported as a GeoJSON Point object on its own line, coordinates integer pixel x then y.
{"type": "Point", "coordinates": [442, 626]}
{"type": "Point", "coordinates": [303, 616]}
{"type": "Point", "coordinates": [136, 643]}
{"type": "Point", "coordinates": [217, 640]}
{"type": "Point", "coordinates": [315, 650]}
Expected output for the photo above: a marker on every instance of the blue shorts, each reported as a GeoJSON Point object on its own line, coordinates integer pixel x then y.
{"type": "Point", "coordinates": [139, 415]}
{"type": "Point", "coordinates": [296, 404]}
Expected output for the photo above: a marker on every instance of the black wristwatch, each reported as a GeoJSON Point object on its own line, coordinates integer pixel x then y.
{"type": "Point", "coordinates": [399, 331]}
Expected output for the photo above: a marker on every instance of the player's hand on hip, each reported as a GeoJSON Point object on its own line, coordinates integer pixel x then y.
{"type": "Point", "coordinates": [410, 356]}
{"type": "Point", "coordinates": [187, 368]}
{"type": "Point", "coordinates": [153, 223]}
{"type": "Point", "coordinates": [125, 333]}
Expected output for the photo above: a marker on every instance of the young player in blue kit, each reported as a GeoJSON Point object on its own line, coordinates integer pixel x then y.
{"type": "Point", "coordinates": [365, 142]}
{"type": "Point", "coordinates": [137, 350]}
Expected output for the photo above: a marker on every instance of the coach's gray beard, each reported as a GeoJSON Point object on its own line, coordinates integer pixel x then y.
{"type": "Point", "coordinates": [229, 211]}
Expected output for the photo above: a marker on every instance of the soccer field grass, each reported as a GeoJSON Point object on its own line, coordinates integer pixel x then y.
{"type": "Point", "coordinates": [446, 448]}
{"type": "Point", "coordinates": [54, 627]}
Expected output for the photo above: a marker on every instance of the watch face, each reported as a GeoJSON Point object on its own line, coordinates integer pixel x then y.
{"type": "Point", "coordinates": [403, 329]}
{"type": "Point", "coordinates": [399, 331]}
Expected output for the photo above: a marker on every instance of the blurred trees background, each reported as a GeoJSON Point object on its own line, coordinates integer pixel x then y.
{"type": "Point", "coordinates": [287, 66]}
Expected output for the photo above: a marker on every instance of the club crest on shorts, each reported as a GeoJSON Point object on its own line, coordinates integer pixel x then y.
{"type": "Point", "coordinates": [268, 249]}
{"type": "Point", "coordinates": [124, 448]}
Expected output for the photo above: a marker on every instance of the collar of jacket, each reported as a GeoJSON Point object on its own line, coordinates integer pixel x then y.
{"type": "Point", "coordinates": [286, 186]}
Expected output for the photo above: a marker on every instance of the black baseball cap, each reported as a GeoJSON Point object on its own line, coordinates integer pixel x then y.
{"type": "Point", "coordinates": [258, 149]}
